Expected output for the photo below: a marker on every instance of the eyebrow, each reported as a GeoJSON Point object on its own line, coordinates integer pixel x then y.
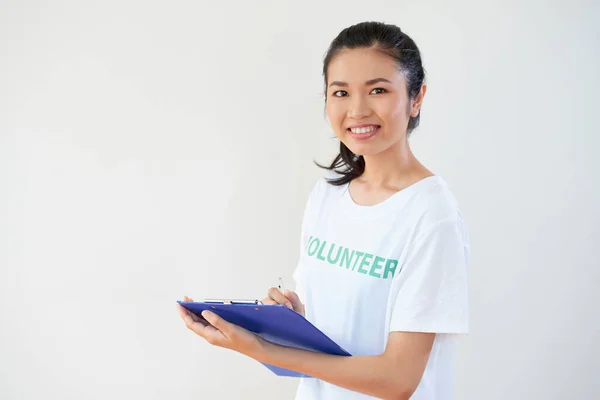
{"type": "Point", "coordinates": [367, 83]}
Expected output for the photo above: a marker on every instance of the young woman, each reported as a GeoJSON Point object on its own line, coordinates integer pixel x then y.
{"type": "Point", "coordinates": [384, 248]}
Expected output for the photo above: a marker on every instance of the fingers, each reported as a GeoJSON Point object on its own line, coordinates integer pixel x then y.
{"type": "Point", "coordinates": [268, 300]}
{"type": "Point", "coordinates": [295, 300]}
{"type": "Point", "coordinates": [278, 297]}
{"type": "Point", "coordinates": [218, 330]}
{"type": "Point", "coordinates": [216, 321]}
{"type": "Point", "coordinates": [290, 299]}
{"type": "Point", "coordinates": [200, 325]}
{"type": "Point", "coordinates": [191, 320]}
{"type": "Point", "coordinates": [184, 313]}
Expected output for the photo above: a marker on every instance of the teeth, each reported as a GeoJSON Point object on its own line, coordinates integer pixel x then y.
{"type": "Point", "coordinates": [366, 129]}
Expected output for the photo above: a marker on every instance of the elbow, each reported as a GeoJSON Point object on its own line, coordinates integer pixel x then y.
{"type": "Point", "coordinates": [400, 382]}
{"type": "Point", "coordinates": [401, 391]}
{"type": "Point", "coordinates": [401, 395]}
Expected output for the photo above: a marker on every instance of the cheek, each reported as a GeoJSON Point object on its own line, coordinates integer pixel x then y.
{"type": "Point", "coordinates": [336, 113]}
{"type": "Point", "coordinates": [393, 111]}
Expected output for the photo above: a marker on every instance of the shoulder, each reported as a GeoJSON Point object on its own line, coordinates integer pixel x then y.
{"type": "Point", "coordinates": [435, 204]}
{"type": "Point", "coordinates": [436, 199]}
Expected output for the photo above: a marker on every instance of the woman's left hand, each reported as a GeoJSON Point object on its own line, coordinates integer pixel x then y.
{"type": "Point", "coordinates": [218, 332]}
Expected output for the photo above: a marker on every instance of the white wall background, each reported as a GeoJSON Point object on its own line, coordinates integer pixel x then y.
{"type": "Point", "coordinates": [150, 150]}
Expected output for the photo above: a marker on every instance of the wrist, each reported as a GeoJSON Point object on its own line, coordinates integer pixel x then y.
{"type": "Point", "coordinates": [260, 350]}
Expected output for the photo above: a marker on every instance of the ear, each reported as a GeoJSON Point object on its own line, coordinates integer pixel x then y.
{"type": "Point", "coordinates": [416, 104]}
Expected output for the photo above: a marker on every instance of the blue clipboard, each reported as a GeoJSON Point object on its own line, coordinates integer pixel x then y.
{"type": "Point", "coordinates": [275, 323]}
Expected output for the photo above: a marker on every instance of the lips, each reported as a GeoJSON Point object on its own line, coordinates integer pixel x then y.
{"type": "Point", "coordinates": [363, 132]}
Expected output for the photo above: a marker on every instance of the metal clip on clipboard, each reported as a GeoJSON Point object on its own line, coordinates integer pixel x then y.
{"type": "Point", "coordinates": [233, 301]}
{"type": "Point", "coordinates": [244, 301]}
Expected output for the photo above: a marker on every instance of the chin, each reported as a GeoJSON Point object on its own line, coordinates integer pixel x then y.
{"type": "Point", "coordinates": [364, 150]}
{"type": "Point", "coordinates": [374, 145]}
{"type": "Point", "coordinates": [369, 149]}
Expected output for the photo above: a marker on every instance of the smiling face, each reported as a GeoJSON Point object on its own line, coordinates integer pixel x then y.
{"type": "Point", "coordinates": [367, 101]}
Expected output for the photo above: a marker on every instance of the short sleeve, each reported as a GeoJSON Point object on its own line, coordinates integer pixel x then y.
{"type": "Point", "coordinates": [431, 289]}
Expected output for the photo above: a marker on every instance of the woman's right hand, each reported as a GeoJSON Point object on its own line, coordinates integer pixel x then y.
{"type": "Point", "coordinates": [289, 299]}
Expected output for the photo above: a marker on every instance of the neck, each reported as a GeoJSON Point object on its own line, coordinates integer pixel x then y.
{"type": "Point", "coordinates": [395, 166]}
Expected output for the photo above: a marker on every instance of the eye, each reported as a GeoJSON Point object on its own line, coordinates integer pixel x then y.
{"type": "Point", "coordinates": [340, 93]}
{"type": "Point", "coordinates": [379, 90]}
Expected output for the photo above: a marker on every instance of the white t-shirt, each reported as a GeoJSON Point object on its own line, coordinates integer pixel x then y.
{"type": "Point", "coordinates": [400, 265]}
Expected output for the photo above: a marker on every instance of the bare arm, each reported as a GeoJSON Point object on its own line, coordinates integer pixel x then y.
{"type": "Point", "coordinates": [395, 374]}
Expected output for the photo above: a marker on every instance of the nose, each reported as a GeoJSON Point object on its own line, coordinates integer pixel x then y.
{"type": "Point", "coordinates": [359, 108]}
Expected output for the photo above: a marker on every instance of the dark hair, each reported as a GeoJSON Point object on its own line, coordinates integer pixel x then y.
{"type": "Point", "coordinates": [390, 40]}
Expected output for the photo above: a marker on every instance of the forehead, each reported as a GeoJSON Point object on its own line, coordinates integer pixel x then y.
{"type": "Point", "coordinates": [355, 66]}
